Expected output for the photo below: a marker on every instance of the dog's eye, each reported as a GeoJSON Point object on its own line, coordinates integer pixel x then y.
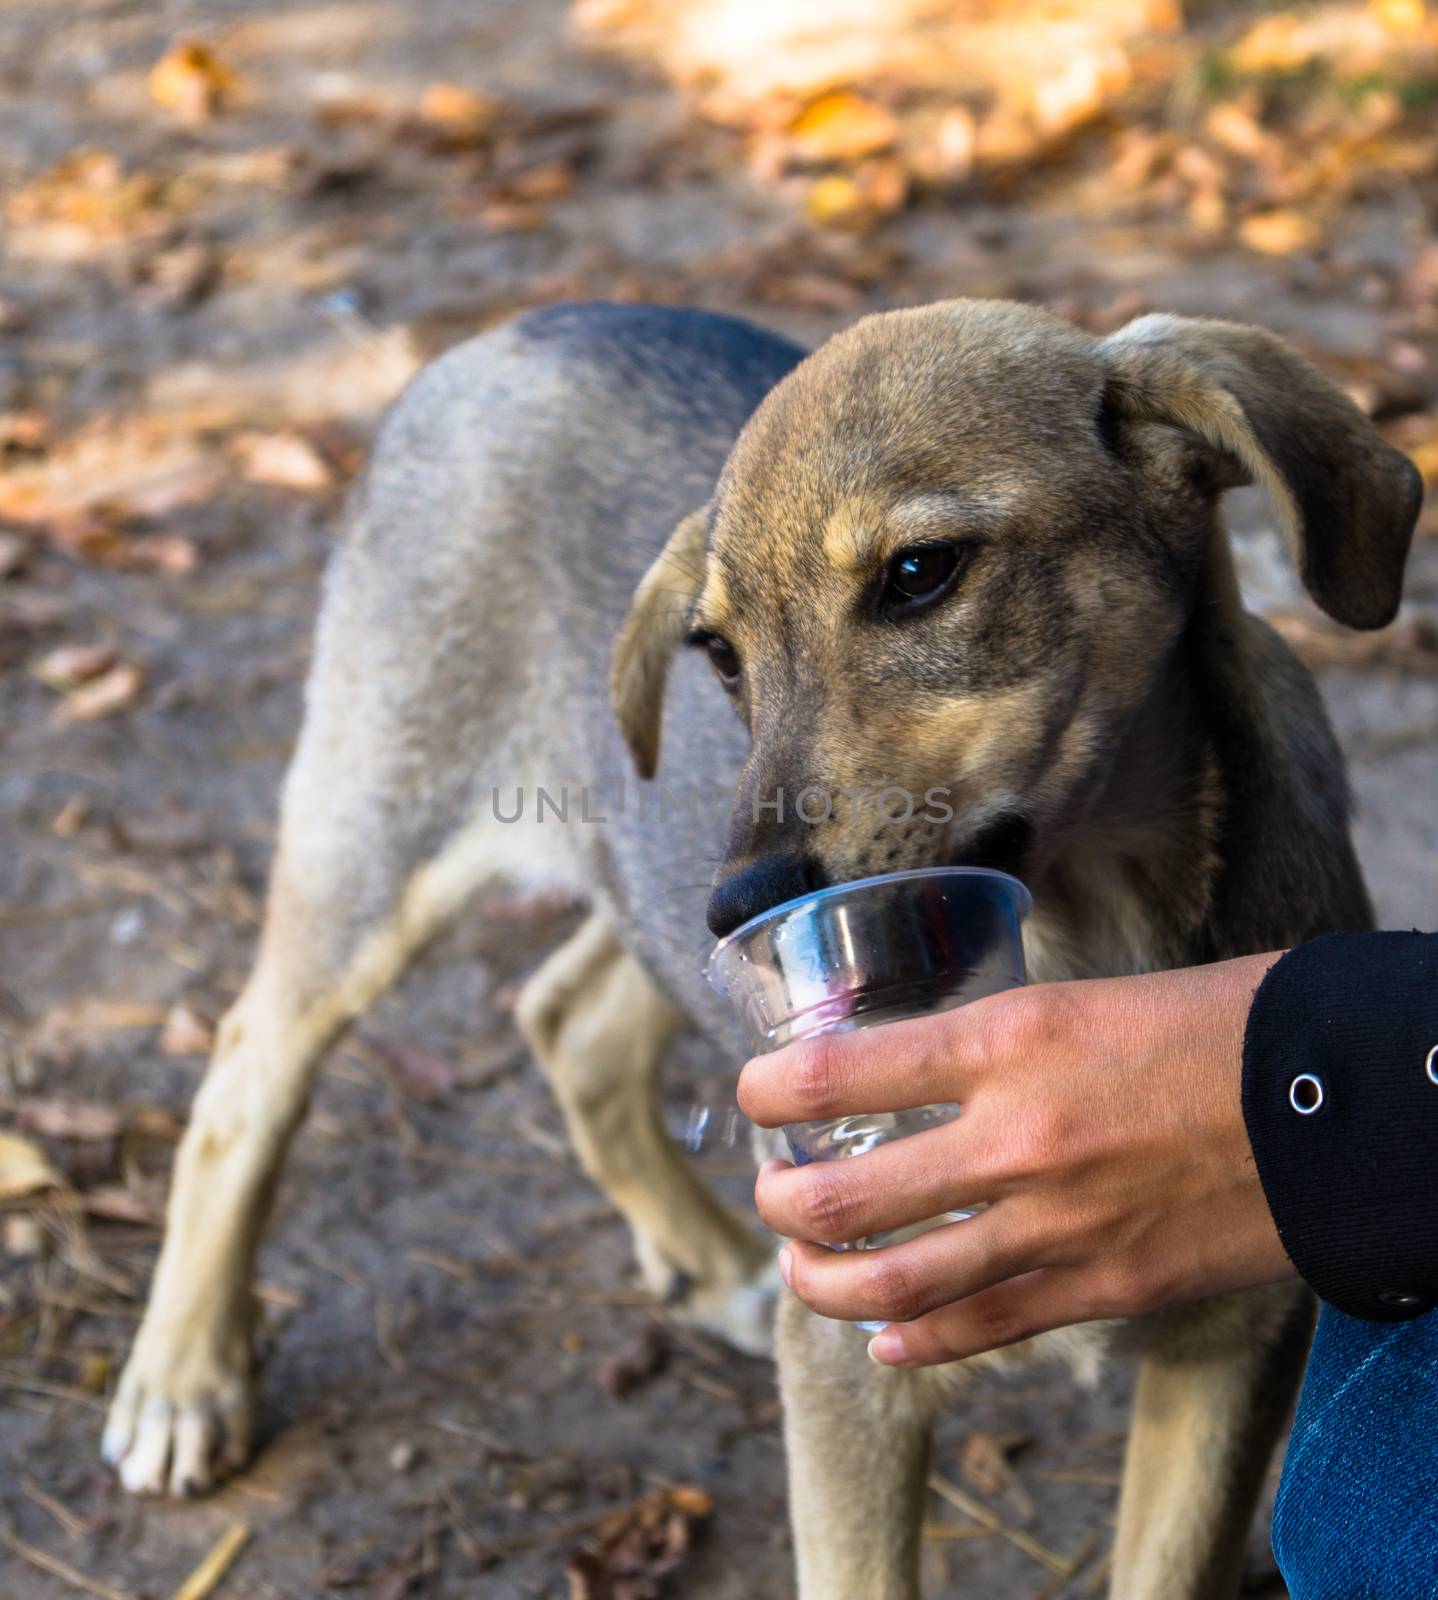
{"type": "Point", "coordinates": [919, 576]}
{"type": "Point", "coordinates": [722, 655]}
{"type": "Point", "coordinates": [724, 659]}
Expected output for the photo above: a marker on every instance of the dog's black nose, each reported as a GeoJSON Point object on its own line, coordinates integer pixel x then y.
{"type": "Point", "coordinates": [763, 882]}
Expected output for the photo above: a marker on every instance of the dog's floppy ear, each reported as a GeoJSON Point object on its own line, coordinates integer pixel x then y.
{"type": "Point", "coordinates": [1347, 499]}
{"type": "Point", "coordinates": [658, 616]}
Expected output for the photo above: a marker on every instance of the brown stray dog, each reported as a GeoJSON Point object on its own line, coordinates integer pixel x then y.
{"type": "Point", "coordinates": [964, 547]}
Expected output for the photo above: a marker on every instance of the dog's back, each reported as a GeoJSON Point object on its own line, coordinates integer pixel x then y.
{"type": "Point", "coordinates": [516, 492]}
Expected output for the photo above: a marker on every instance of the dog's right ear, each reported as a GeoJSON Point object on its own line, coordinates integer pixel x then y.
{"type": "Point", "coordinates": [657, 619]}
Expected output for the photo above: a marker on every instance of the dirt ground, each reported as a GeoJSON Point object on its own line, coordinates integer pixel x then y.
{"type": "Point", "coordinates": [212, 284]}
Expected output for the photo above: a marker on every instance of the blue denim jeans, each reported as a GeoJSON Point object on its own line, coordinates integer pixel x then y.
{"type": "Point", "coordinates": [1357, 1510]}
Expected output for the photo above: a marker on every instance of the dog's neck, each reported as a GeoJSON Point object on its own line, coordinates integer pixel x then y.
{"type": "Point", "coordinates": [1131, 890]}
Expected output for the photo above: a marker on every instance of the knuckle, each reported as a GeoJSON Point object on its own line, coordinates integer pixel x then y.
{"type": "Point", "coordinates": [997, 1325]}
{"type": "Point", "coordinates": [1032, 1019]}
{"type": "Point", "coordinates": [824, 1205]}
{"type": "Point", "coordinates": [813, 1077]}
{"type": "Point", "coordinates": [1035, 1142]}
{"type": "Point", "coordinates": [1124, 1289]}
{"type": "Point", "coordinates": [894, 1290]}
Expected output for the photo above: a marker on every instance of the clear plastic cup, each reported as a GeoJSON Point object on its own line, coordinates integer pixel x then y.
{"type": "Point", "coordinates": [876, 950]}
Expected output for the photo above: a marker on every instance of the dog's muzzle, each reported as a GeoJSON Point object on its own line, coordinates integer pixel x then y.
{"type": "Point", "coordinates": [754, 886]}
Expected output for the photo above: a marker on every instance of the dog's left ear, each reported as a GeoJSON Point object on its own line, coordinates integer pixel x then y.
{"type": "Point", "coordinates": [1347, 498]}
{"type": "Point", "coordinates": [658, 616]}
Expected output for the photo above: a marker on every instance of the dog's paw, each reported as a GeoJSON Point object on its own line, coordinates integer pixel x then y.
{"type": "Point", "coordinates": [179, 1423]}
{"type": "Point", "coordinates": [735, 1304]}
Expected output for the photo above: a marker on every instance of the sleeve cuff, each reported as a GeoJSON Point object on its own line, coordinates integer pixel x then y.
{"type": "Point", "coordinates": [1340, 1097]}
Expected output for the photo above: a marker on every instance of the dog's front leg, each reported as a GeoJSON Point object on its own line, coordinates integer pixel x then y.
{"type": "Point", "coordinates": [857, 1437]}
{"type": "Point", "coordinates": [180, 1418]}
{"type": "Point", "coordinates": [1214, 1391]}
{"type": "Point", "coordinates": [599, 1029]}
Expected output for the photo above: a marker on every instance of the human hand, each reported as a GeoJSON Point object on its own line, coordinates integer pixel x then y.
{"type": "Point", "coordinates": [1102, 1127]}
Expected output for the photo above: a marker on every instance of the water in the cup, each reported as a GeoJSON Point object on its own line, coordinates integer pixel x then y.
{"type": "Point", "coordinates": [852, 1136]}
{"type": "Point", "coordinates": [840, 1137]}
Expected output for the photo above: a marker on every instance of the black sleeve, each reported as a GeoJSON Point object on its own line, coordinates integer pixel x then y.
{"type": "Point", "coordinates": [1340, 1095]}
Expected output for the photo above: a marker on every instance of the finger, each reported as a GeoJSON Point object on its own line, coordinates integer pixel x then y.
{"type": "Point", "coordinates": [896, 1066]}
{"type": "Point", "coordinates": [903, 1282]}
{"type": "Point", "coordinates": [905, 1181]}
{"type": "Point", "coordinates": [1017, 1309]}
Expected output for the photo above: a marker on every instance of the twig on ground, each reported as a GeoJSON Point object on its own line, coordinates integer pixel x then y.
{"type": "Point", "coordinates": [10, 1379]}
{"type": "Point", "coordinates": [976, 1509]}
{"type": "Point", "coordinates": [464, 1536]}
{"type": "Point", "coordinates": [57, 1568]}
{"type": "Point", "coordinates": [203, 1581]}
{"type": "Point", "coordinates": [1086, 1547]}
{"type": "Point", "coordinates": [73, 1524]}
{"type": "Point", "coordinates": [502, 1166]}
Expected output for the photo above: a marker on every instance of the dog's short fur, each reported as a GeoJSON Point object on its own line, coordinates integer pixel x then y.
{"type": "Point", "coordinates": [1109, 721]}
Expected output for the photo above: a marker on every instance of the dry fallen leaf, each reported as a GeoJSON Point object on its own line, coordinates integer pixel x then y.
{"type": "Point", "coordinates": [86, 1120]}
{"type": "Point", "coordinates": [460, 118]}
{"type": "Point", "coordinates": [286, 460]}
{"type": "Point", "coordinates": [83, 491]}
{"type": "Point", "coordinates": [186, 1032]}
{"type": "Point", "coordinates": [180, 276]}
{"type": "Point", "coordinates": [843, 127]}
{"type": "Point", "coordinates": [643, 1357]}
{"type": "Point", "coordinates": [23, 1167]}
{"type": "Point", "coordinates": [191, 80]}
{"type": "Point", "coordinates": [87, 197]}
{"type": "Point", "coordinates": [1081, 89]}
{"type": "Point", "coordinates": [70, 818]}
{"type": "Point", "coordinates": [550, 180]}
{"type": "Point", "coordinates": [1279, 233]}
{"type": "Point", "coordinates": [512, 216]}
{"type": "Point", "coordinates": [836, 200]}
{"type": "Point", "coordinates": [113, 691]}
{"type": "Point", "coordinates": [1278, 43]}
{"type": "Point", "coordinates": [985, 1467]}
{"type": "Point", "coordinates": [170, 554]}
{"type": "Point", "coordinates": [637, 1548]}
{"type": "Point", "coordinates": [70, 665]}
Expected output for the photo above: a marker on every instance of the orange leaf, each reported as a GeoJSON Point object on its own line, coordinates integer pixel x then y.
{"type": "Point", "coordinates": [462, 116]}
{"type": "Point", "coordinates": [113, 691]}
{"type": "Point", "coordinates": [191, 80]}
{"type": "Point", "coordinates": [286, 460]}
{"type": "Point", "coordinates": [836, 201]}
{"type": "Point", "coordinates": [1279, 233]}
{"type": "Point", "coordinates": [843, 127]}
{"type": "Point", "coordinates": [1278, 43]}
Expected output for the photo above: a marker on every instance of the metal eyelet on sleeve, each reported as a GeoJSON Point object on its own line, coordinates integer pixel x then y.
{"type": "Point", "coordinates": [1398, 1300]}
{"type": "Point", "coordinates": [1430, 1066]}
{"type": "Point", "coordinates": [1305, 1094]}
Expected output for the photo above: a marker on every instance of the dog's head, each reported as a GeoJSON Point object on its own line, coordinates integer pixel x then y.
{"type": "Point", "coordinates": [948, 556]}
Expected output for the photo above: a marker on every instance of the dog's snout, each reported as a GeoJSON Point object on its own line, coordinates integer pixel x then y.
{"type": "Point", "coordinates": [757, 885]}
